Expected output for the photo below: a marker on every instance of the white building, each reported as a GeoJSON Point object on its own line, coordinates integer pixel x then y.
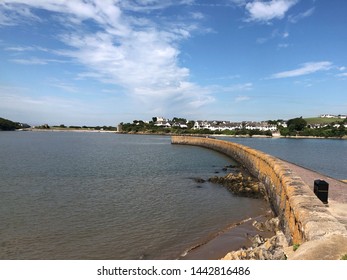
{"type": "Point", "coordinates": [161, 119]}
{"type": "Point", "coordinates": [162, 123]}
{"type": "Point", "coordinates": [262, 126]}
{"type": "Point", "coordinates": [329, 116]}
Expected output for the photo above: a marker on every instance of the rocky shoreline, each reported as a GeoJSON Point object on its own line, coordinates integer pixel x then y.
{"type": "Point", "coordinates": [263, 246]}
{"type": "Point", "coordinates": [273, 248]}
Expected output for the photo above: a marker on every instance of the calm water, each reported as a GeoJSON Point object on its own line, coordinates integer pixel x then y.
{"type": "Point", "coordinates": [108, 196]}
{"type": "Point", "coordinates": [326, 156]}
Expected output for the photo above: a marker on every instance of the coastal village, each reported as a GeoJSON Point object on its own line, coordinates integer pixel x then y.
{"type": "Point", "coordinates": [326, 125]}
{"type": "Point", "coordinates": [219, 125]}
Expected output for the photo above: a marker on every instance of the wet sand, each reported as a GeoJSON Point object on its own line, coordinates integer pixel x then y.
{"type": "Point", "coordinates": [233, 238]}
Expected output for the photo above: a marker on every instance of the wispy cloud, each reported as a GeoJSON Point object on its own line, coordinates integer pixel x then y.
{"type": "Point", "coordinates": [239, 2]}
{"type": "Point", "coordinates": [274, 34]}
{"type": "Point", "coordinates": [305, 69]}
{"type": "Point", "coordinates": [133, 52]}
{"type": "Point", "coordinates": [26, 49]}
{"type": "Point", "coordinates": [10, 16]}
{"type": "Point", "coordinates": [264, 11]}
{"type": "Point", "coordinates": [65, 87]}
{"type": "Point", "coordinates": [298, 17]}
{"type": "Point", "coordinates": [197, 15]}
{"type": "Point", "coordinates": [230, 89]}
{"type": "Point", "coordinates": [283, 45]}
{"type": "Point", "coordinates": [29, 61]}
{"type": "Point", "coordinates": [35, 61]}
{"type": "Point", "coordinates": [229, 77]}
{"type": "Point", "coordinates": [242, 98]}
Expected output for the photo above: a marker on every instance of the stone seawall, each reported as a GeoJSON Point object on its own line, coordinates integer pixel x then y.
{"type": "Point", "coordinates": [304, 218]}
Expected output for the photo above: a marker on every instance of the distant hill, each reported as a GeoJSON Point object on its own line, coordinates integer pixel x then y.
{"type": "Point", "coordinates": [318, 120]}
{"type": "Point", "coordinates": [8, 125]}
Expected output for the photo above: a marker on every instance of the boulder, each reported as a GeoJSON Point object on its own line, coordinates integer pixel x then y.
{"type": "Point", "coordinates": [262, 249]}
{"type": "Point", "coordinates": [199, 180]}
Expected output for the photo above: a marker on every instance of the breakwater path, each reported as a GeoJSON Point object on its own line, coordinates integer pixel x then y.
{"type": "Point", "coordinates": [304, 219]}
{"type": "Point", "coordinates": [337, 196]}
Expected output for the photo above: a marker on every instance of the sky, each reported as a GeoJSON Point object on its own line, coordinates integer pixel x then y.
{"type": "Point", "coordinates": [102, 62]}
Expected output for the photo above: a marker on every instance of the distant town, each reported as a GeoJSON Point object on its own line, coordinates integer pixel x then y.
{"type": "Point", "coordinates": [325, 125]}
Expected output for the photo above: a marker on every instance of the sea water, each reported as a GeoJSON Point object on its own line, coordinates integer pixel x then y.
{"type": "Point", "coordinates": [74, 195]}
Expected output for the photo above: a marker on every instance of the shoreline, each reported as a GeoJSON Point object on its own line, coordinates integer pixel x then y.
{"type": "Point", "coordinates": [66, 130]}
{"type": "Point", "coordinates": [181, 134]}
{"type": "Point", "coordinates": [232, 238]}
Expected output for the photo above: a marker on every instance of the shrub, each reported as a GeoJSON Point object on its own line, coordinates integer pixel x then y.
{"type": "Point", "coordinates": [295, 247]}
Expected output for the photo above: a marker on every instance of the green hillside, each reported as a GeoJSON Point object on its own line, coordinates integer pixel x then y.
{"type": "Point", "coordinates": [318, 120]}
{"type": "Point", "coordinates": [6, 124]}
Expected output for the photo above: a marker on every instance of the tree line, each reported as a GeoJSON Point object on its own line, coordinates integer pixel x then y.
{"type": "Point", "coordinates": [300, 127]}
{"type": "Point", "coordinates": [8, 125]}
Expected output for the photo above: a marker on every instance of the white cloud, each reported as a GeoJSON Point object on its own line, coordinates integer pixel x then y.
{"type": "Point", "coordinates": [197, 15]}
{"type": "Point", "coordinates": [150, 5]}
{"type": "Point", "coordinates": [265, 11]}
{"type": "Point", "coordinates": [30, 61]}
{"type": "Point", "coordinates": [342, 75]}
{"type": "Point", "coordinates": [4, 19]}
{"type": "Point", "coordinates": [296, 18]}
{"type": "Point", "coordinates": [66, 87]}
{"type": "Point", "coordinates": [35, 61]}
{"type": "Point", "coordinates": [9, 16]}
{"type": "Point", "coordinates": [239, 2]}
{"type": "Point", "coordinates": [135, 53]}
{"type": "Point", "coordinates": [241, 87]}
{"type": "Point", "coordinates": [274, 34]}
{"type": "Point", "coordinates": [230, 89]}
{"type": "Point", "coordinates": [305, 69]}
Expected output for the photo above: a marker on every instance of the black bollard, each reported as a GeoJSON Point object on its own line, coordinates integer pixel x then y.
{"type": "Point", "coordinates": [321, 189]}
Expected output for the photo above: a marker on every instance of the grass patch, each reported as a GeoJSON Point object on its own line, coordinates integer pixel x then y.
{"type": "Point", "coordinates": [344, 257]}
{"type": "Point", "coordinates": [296, 247]}
{"type": "Point", "coordinates": [322, 120]}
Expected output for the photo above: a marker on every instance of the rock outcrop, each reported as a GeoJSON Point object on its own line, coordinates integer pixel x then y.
{"type": "Point", "coordinates": [263, 248]}
{"type": "Point", "coordinates": [240, 184]}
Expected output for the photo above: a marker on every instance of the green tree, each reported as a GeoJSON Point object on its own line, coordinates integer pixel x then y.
{"type": "Point", "coordinates": [296, 124]}
{"type": "Point", "coordinates": [190, 124]}
{"type": "Point", "coordinates": [179, 120]}
{"type": "Point", "coordinates": [6, 124]}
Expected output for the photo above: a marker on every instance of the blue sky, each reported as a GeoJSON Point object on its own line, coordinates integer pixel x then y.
{"type": "Point", "coordinates": [101, 62]}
